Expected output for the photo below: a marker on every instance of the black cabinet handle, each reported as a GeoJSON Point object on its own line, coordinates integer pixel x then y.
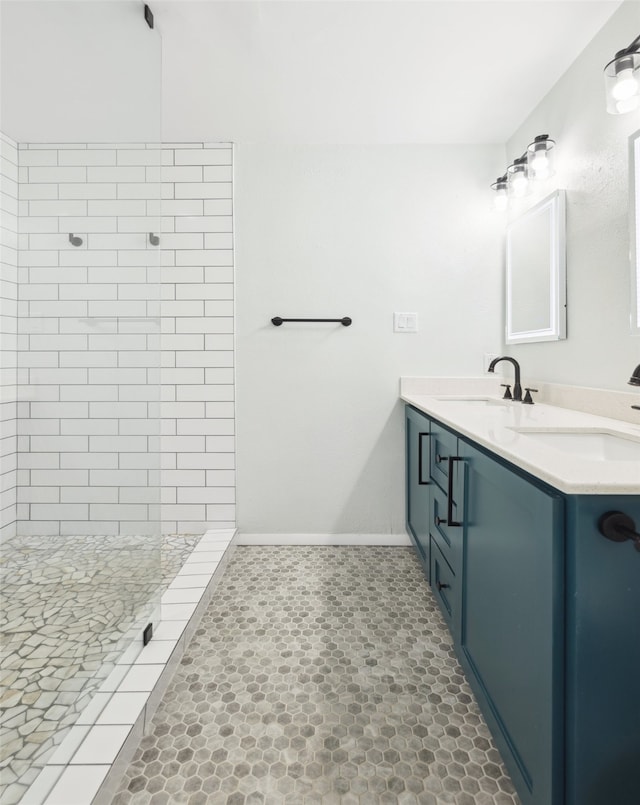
{"type": "Point", "coordinates": [619, 527]}
{"type": "Point", "coordinates": [421, 480]}
{"type": "Point", "coordinates": [442, 586]}
{"type": "Point", "coordinates": [440, 459]}
{"type": "Point", "coordinates": [450, 520]}
{"type": "Point", "coordinates": [441, 520]}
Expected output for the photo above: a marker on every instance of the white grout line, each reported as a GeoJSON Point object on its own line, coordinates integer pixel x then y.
{"type": "Point", "coordinates": [178, 612]}
{"type": "Point", "coordinates": [44, 782]}
{"type": "Point", "coordinates": [182, 596]}
{"type": "Point", "coordinates": [197, 581]}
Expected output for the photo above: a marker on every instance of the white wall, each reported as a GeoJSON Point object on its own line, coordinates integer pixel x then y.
{"type": "Point", "coordinates": [360, 232]}
{"type": "Point", "coordinates": [592, 148]}
{"type": "Point", "coordinates": [79, 71]}
{"type": "Point", "coordinates": [365, 72]}
{"type": "Point", "coordinates": [8, 332]}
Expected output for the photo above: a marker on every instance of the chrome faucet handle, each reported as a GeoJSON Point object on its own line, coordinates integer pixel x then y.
{"type": "Point", "coordinates": [507, 391]}
{"type": "Point", "coordinates": [528, 400]}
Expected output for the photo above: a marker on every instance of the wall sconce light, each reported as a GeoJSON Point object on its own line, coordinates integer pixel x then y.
{"type": "Point", "coordinates": [540, 157]}
{"type": "Point", "coordinates": [518, 177]}
{"type": "Point", "coordinates": [501, 189]}
{"type": "Point", "coordinates": [622, 80]}
{"type": "Point", "coordinates": [536, 164]}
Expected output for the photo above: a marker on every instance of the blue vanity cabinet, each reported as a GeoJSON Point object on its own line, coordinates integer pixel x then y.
{"type": "Point", "coordinates": [603, 656]}
{"type": "Point", "coordinates": [545, 617]}
{"type": "Point", "coordinates": [417, 433]}
{"type": "Point", "coordinates": [512, 615]}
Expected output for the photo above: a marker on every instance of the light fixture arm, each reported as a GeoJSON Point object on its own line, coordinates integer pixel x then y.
{"type": "Point", "coordinates": [634, 47]}
{"type": "Point", "coordinates": [630, 50]}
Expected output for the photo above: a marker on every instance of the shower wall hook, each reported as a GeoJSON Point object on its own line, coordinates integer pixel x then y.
{"type": "Point", "coordinates": [154, 240]}
{"type": "Point", "coordinates": [74, 240]}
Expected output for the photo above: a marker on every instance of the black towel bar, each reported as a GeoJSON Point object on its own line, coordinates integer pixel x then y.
{"type": "Point", "coordinates": [277, 321]}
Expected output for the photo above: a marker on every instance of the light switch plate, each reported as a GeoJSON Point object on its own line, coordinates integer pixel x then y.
{"type": "Point", "coordinates": [405, 322]}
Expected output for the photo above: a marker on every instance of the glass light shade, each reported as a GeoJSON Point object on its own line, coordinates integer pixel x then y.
{"type": "Point", "coordinates": [622, 83]}
{"type": "Point", "coordinates": [518, 178]}
{"type": "Point", "coordinates": [541, 157]}
{"type": "Point", "coordinates": [501, 194]}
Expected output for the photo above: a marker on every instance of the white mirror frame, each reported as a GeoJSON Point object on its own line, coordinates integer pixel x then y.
{"type": "Point", "coordinates": [634, 229]}
{"type": "Point", "coordinates": [554, 207]}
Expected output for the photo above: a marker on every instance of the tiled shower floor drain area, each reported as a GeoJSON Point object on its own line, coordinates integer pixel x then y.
{"type": "Point", "coordinates": [66, 607]}
{"type": "Point", "coordinates": [318, 676]}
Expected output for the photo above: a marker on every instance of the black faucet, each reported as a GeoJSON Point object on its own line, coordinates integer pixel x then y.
{"type": "Point", "coordinates": [517, 388]}
{"type": "Point", "coordinates": [634, 380]}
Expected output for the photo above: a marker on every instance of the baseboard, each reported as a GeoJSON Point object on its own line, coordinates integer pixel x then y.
{"type": "Point", "coordinates": [392, 540]}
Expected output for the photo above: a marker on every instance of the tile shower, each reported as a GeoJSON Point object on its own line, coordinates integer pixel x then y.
{"type": "Point", "coordinates": [117, 381]}
{"type": "Point", "coordinates": [94, 321]}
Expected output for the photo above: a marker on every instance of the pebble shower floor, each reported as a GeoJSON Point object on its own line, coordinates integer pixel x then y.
{"type": "Point", "coordinates": [319, 676]}
{"type": "Point", "coordinates": [66, 606]}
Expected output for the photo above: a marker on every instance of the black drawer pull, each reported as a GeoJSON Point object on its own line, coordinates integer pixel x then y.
{"type": "Point", "coordinates": [450, 520]}
{"type": "Point", "coordinates": [442, 586]}
{"type": "Point", "coordinates": [440, 459]}
{"type": "Point", "coordinates": [421, 480]}
{"type": "Point", "coordinates": [441, 520]}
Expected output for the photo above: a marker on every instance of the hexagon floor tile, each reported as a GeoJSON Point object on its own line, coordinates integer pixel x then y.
{"type": "Point", "coordinates": [319, 676]}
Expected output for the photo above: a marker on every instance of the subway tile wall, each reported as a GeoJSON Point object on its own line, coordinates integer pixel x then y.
{"type": "Point", "coordinates": [8, 333]}
{"type": "Point", "coordinates": [198, 436]}
{"type": "Point", "coordinates": [125, 349]}
{"type": "Point", "coordinates": [88, 339]}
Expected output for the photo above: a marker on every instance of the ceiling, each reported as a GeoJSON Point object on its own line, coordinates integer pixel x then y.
{"type": "Point", "coordinates": [364, 72]}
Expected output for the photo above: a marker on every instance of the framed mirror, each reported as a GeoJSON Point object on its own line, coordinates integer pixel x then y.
{"type": "Point", "coordinates": [634, 232]}
{"type": "Point", "coordinates": [536, 286]}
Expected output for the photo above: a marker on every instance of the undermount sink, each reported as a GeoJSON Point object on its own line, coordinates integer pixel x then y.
{"type": "Point", "coordinates": [588, 444]}
{"type": "Point", "coordinates": [473, 400]}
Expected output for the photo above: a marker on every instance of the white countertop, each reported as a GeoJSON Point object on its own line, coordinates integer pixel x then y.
{"type": "Point", "coordinates": [493, 427]}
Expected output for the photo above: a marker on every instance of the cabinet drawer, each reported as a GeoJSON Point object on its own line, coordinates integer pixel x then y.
{"type": "Point", "coordinates": [443, 445]}
{"type": "Point", "coordinates": [447, 537]}
{"type": "Point", "coordinates": [444, 586]}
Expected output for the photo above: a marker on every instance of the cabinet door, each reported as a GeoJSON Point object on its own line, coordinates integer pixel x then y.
{"type": "Point", "coordinates": [603, 656]}
{"type": "Point", "coordinates": [417, 434]}
{"type": "Point", "coordinates": [512, 619]}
